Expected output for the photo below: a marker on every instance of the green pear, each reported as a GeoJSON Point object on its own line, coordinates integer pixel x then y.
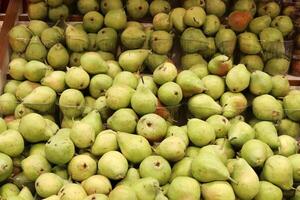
{"type": "Point", "coordinates": [184, 188]}
{"type": "Point", "coordinates": [200, 132]}
{"type": "Point", "coordinates": [284, 24]}
{"type": "Point", "coordinates": [165, 72]}
{"type": "Point", "coordinates": [254, 152]}
{"type": "Point", "coordinates": [19, 37]}
{"type": "Point", "coordinates": [14, 140]}
{"type": "Point", "coordinates": [182, 168]}
{"type": "Point", "coordinates": [177, 16]}
{"type": "Point", "coordinates": [266, 132]}
{"type": "Point", "coordinates": [35, 165]}
{"type": "Point", "coordinates": [38, 148]}
{"type": "Point", "coordinates": [8, 190]}
{"type": "Point", "coordinates": [245, 5]}
{"type": "Point", "coordinates": [203, 106]}
{"type": "Point", "coordinates": [226, 147]}
{"type": "Point", "coordinates": [80, 140]}
{"type": "Point", "coordinates": [279, 171]}
{"type": "Point", "coordinates": [113, 165]}
{"type": "Point", "coordinates": [51, 36]}
{"type": "Point", "coordinates": [288, 127]}
{"type": "Point", "coordinates": [137, 9]}
{"type": "Point", "coordinates": [75, 59]}
{"type": "Point", "coordinates": [77, 40]}
{"type": "Point", "coordinates": [252, 62]}
{"type": "Point", "coordinates": [233, 104]}
{"type": "Point", "coordinates": [131, 177]}
{"type": "Point", "coordinates": [11, 86]}
{"type": "Point", "coordinates": [123, 192]}
{"type": "Point", "coordinates": [58, 13]}
{"type": "Point", "coordinates": [133, 38]}
{"type": "Point", "coordinates": [155, 167]}
{"type": "Point", "coordinates": [93, 63]}
{"type": "Point", "coordinates": [248, 43]}
{"type": "Point", "coordinates": [115, 19]}
{"type": "Point", "coordinates": [7, 168]}
{"type": "Point", "coordinates": [287, 145]}
{"type": "Point", "coordinates": [200, 70]}
{"type": "Point", "coordinates": [143, 101]}
{"type": "Point", "coordinates": [35, 70]}
{"type": "Point", "coordinates": [8, 104]}
{"type": "Point", "coordinates": [211, 25]}
{"type": "Point", "coordinates": [277, 66]}
{"type": "Point", "coordinates": [154, 60]}
{"type": "Point", "coordinates": [82, 167]}
{"type": "Point", "coordinates": [132, 60]}
{"type": "Point", "coordinates": [280, 86]}
{"type": "Point", "coordinates": [271, 8]}
{"type": "Point", "coordinates": [294, 160]}
{"type": "Point", "coordinates": [97, 184]}
{"type": "Point", "coordinates": [105, 141]}
{"type": "Point", "coordinates": [215, 150]}
{"type": "Point", "coordinates": [207, 167]}
{"type": "Point", "coordinates": [152, 126]}
{"type": "Point", "coordinates": [71, 103]}
{"type": "Point", "coordinates": [148, 82]}
{"type": "Point", "coordinates": [238, 78]}
{"type": "Point", "coordinates": [243, 175]}
{"type": "Point", "coordinates": [17, 68]}
{"type": "Point", "coordinates": [72, 191]}
{"type": "Point", "coordinates": [225, 40]}
{"type": "Point", "coordinates": [148, 31]}
{"type": "Point", "coordinates": [240, 133]}
{"type": "Point", "coordinates": [259, 23]}
{"type": "Point", "coordinates": [126, 78]}
{"type": "Point", "coordinates": [214, 85]}
{"type": "Point", "coordinates": [217, 190]}
{"type": "Point", "coordinates": [161, 42]}
{"type": "Point", "coordinates": [101, 106]}
{"type": "Point", "coordinates": [215, 7]}
{"type": "Point", "coordinates": [108, 5]}
{"type": "Point", "coordinates": [77, 78]}
{"type": "Point", "coordinates": [211, 48]}
{"type": "Point", "coordinates": [25, 193]}
{"type": "Point", "coordinates": [58, 56]}
{"type": "Point", "coordinates": [35, 50]}
{"type": "Point", "coordinates": [260, 83]}
{"type": "Point", "coordinates": [146, 188]}
{"type": "Point", "coordinates": [135, 148]}
{"type": "Point", "coordinates": [192, 40]}
{"type": "Point", "coordinates": [290, 103]}
{"type": "Point", "coordinates": [220, 124]}
{"type": "Point", "coordinates": [124, 120]}
{"type": "Point", "coordinates": [178, 132]}
{"type": "Point", "coordinates": [55, 80]}
{"type": "Point", "coordinates": [14, 124]}
{"type": "Point", "coordinates": [220, 65]}
{"type": "Point", "coordinates": [159, 6]}
{"type": "Point", "coordinates": [192, 151]}
{"type": "Point", "coordinates": [113, 68]}
{"type": "Point", "coordinates": [194, 16]}
{"type": "Point", "coordinates": [162, 22]}
{"type": "Point", "coordinates": [48, 184]}
{"type": "Point", "coordinates": [266, 107]}
{"type": "Point", "coordinates": [268, 191]}
{"type": "Point", "coordinates": [94, 120]}
{"type": "Point", "coordinates": [272, 41]}
{"type": "Point", "coordinates": [92, 21]}
{"type": "Point", "coordinates": [190, 59]}
{"type": "Point", "coordinates": [107, 56]}
{"type": "Point", "coordinates": [171, 148]}
{"type": "Point", "coordinates": [189, 83]}
{"type": "Point", "coordinates": [107, 39]}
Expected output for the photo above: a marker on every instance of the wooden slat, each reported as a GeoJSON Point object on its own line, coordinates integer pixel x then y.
{"type": "Point", "coordinates": [9, 21]}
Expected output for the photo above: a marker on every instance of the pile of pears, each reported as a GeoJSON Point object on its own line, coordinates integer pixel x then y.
{"type": "Point", "coordinates": [186, 107]}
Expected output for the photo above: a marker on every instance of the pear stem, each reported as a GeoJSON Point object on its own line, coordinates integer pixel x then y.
{"type": "Point", "coordinates": [232, 180]}
{"type": "Point", "coordinates": [143, 80]}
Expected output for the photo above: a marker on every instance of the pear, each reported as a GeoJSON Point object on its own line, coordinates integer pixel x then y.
{"type": "Point", "coordinates": [211, 25]}
{"type": "Point", "coordinates": [143, 101]}
{"type": "Point", "coordinates": [14, 124]}
{"type": "Point", "coordinates": [288, 145]}
{"type": "Point", "coordinates": [176, 191]}
{"type": "Point", "coordinates": [217, 190]}
{"type": "Point", "coordinates": [226, 147]}
{"type": "Point", "coordinates": [122, 192]}
{"type": "Point", "coordinates": [11, 86]}
{"type": "Point", "coordinates": [48, 184]}
{"type": "Point", "coordinates": [214, 85]}
{"type": "Point", "coordinates": [124, 120]}
{"type": "Point", "coordinates": [92, 21]}
{"type": "Point", "coordinates": [272, 41]}
{"type": "Point", "coordinates": [211, 48]}
{"type": "Point", "coordinates": [200, 132]}
{"type": "Point", "coordinates": [101, 106]}
{"type": "Point", "coordinates": [9, 189]}
{"type": "Point", "coordinates": [131, 177]}
{"type": "Point", "coordinates": [238, 78]}
{"type": "Point", "coordinates": [148, 82]}
{"type": "Point", "coordinates": [80, 140]}
{"type": "Point", "coordinates": [162, 22]}
{"type": "Point", "coordinates": [37, 10]}
{"type": "Point", "coordinates": [161, 42]}
{"type": "Point", "coordinates": [82, 167]}
{"type": "Point", "coordinates": [35, 70]}
{"type": "Point", "coordinates": [207, 167]}
{"type": "Point", "coordinates": [260, 23]}
{"type": "Point", "coordinates": [268, 191]}
{"type": "Point", "coordinates": [7, 164]}
{"type": "Point", "coordinates": [75, 59]}
{"type": "Point", "coordinates": [277, 66]}
{"type": "Point", "coordinates": [191, 59]}
{"type": "Point", "coordinates": [14, 140]}
{"type": "Point", "coordinates": [94, 120]}
{"type": "Point", "coordinates": [290, 103]}
{"type": "Point", "coordinates": [194, 16]}
{"type": "Point", "coordinates": [108, 5]}
{"type": "Point", "coordinates": [134, 147]}
{"type": "Point", "coordinates": [233, 104]}
{"type": "Point", "coordinates": [105, 141]}
{"type": "Point", "coordinates": [225, 41]}
{"type": "Point", "coordinates": [266, 107]}
{"type": "Point", "coordinates": [177, 16]}
{"type": "Point", "coordinates": [252, 62]}
{"type": "Point", "coordinates": [254, 152]}
{"type": "Point", "coordinates": [71, 103]}
{"type": "Point", "coordinates": [178, 131]}
{"type": "Point", "coordinates": [192, 151]}
{"type": "Point", "coordinates": [107, 56]}
{"type": "Point", "coordinates": [182, 168]}
{"type": "Point", "coordinates": [118, 96]}
{"type": "Point", "coordinates": [279, 171]}
{"type": "Point", "coordinates": [154, 60]}
{"type": "Point", "coordinates": [97, 184]}
{"type": "Point", "coordinates": [17, 68]}
{"type": "Point", "coordinates": [189, 83]}
{"type": "Point", "coordinates": [215, 150]}
{"type": "Point", "coordinates": [133, 38]}
{"type": "Point", "coordinates": [240, 133]}
{"type": "Point", "coordinates": [132, 60]}
{"type": "Point", "coordinates": [35, 165]}
{"type": "Point", "coordinates": [38, 148]}
{"type": "Point", "coordinates": [220, 65]}
{"type": "Point", "coordinates": [152, 126]}
{"type": "Point", "coordinates": [3, 126]}
{"type": "Point", "coordinates": [157, 168]}
{"type": "Point", "coordinates": [288, 127]}
{"type": "Point", "coordinates": [55, 80]}
{"type": "Point", "coordinates": [193, 40]}
{"type": "Point", "coordinates": [171, 148]}
{"type": "Point", "coordinates": [58, 13]}
{"type": "Point", "coordinates": [8, 104]}
{"type": "Point", "coordinates": [271, 8]}
{"type": "Point", "coordinates": [266, 132]}
{"type": "Point", "coordinates": [25, 193]}
{"type": "Point", "coordinates": [107, 39]}
{"type": "Point", "coordinates": [260, 83]}
{"type": "Point", "coordinates": [58, 56]}
{"type": "Point", "coordinates": [294, 160]}
{"type": "Point", "coordinates": [203, 106]}
{"type": "Point", "coordinates": [243, 175]}
{"type": "Point", "coordinates": [159, 6]}
{"type": "Point", "coordinates": [146, 188]}
{"type": "Point", "coordinates": [137, 9]}
{"type": "Point", "coordinates": [165, 72]}
{"type": "Point", "coordinates": [51, 36]}
{"type": "Point", "coordinates": [148, 31]}
{"type": "Point", "coordinates": [72, 191]}
{"type": "Point", "coordinates": [41, 99]}
{"type": "Point", "coordinates": [113, 68]}
{"type": "Point", "coordinates": [126, 78]}
{"type": "Point", "coordinates": [19, 37]}
{"type": "Point", "coordinates": [248, 43]}
{"type": "Point", "coordinates": [220, 124]}
{"type": "Point", "coordinates": [238, 20]}
{"type": "Point", "coordinates": [113, 165]}
{"type": "Point", "coordinates": [215, 7]}
{"type": "Point", "coordinates": [35, 50]}
{"type": "Point", "coordinates": [93, 63]}
{"type": "Point", "coordinates": [99, 84]}
{"type": "Point", "coordinates": [280, 86]}
{"type": "Point", "coordinates": [284, 24]}
{"type": "Point", "coordinates": [245, 5]}
{"type": "Point", "coordinates": [170, 94]}
{"type": "Point", "coordinates": [76, 39]}
{"type": "Point", "coordinates": [115, 19]}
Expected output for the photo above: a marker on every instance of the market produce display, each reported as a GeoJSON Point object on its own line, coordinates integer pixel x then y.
{"type": "Point", "coordinates": [194, 105]}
